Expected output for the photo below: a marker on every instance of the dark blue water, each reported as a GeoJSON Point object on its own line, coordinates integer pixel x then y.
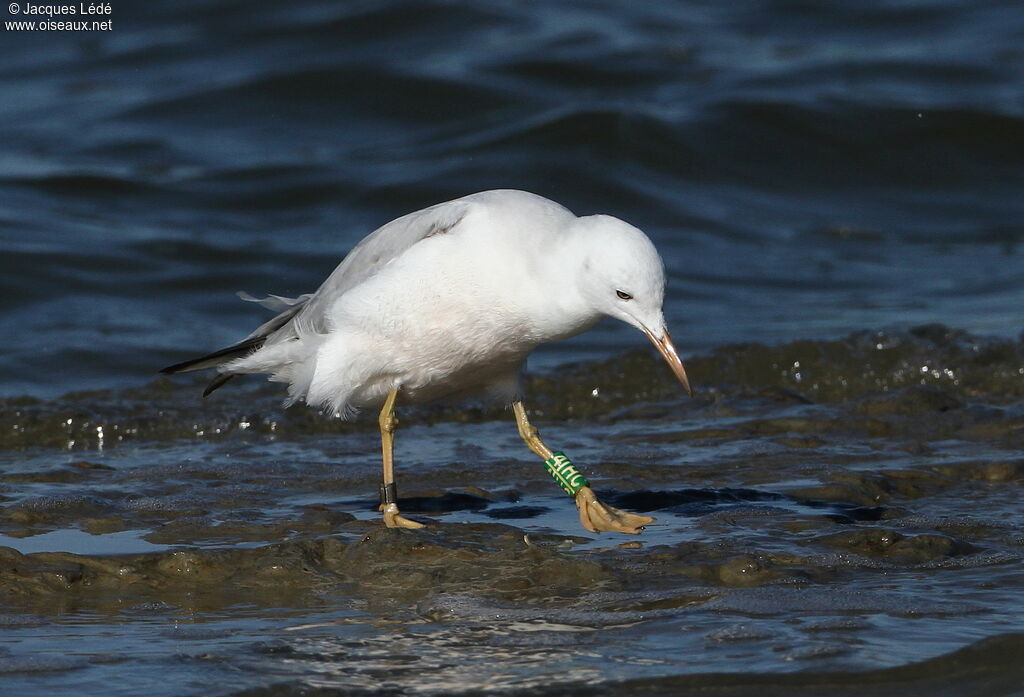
{"type": "Point", "coordinates": [805, 169]}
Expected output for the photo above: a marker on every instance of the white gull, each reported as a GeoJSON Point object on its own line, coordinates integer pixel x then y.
{"type": "Point", "coordinates": [448, 302]}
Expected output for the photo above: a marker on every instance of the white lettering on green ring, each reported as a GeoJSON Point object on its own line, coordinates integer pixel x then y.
{"type": "Point", "coordinates": [565, 474]}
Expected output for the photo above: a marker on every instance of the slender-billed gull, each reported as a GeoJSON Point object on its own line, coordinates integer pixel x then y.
{"type": "Point", "coordinates": [448, 302]}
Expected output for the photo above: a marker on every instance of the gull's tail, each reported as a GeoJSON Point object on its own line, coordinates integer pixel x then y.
{"type": "Point", "coordinates": [215, 359]}
{"type": "Point", "coordinates": [252, 343]}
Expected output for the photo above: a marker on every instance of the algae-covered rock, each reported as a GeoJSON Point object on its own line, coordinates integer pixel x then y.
{"type": "Point", "coordinates": [386, 565]}
{"type": "Point", "coordinates": [486, 559]}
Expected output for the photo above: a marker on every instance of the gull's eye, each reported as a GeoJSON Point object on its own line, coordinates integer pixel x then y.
{"type": "Point", "coordinates": [624, 295]}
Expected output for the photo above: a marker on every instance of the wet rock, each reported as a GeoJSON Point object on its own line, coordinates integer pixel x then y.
{"type": "Point", "coordinates": [723, 567]}
{"type": "Point", "coordinates": [896, 547]}
{"type": "Point", "coordinates": [746, 571]}
{"type": "Point", "coordinates": [910, 401]}
{"type": "Point", "coordinates": [960, 526]}
{"type": "Point", "coordinates": [784, 425]}
{"type": "Point", "coordinates": [485, 558]}
{"type": "Point", "coordinates": [215, 574]}
{"type": "Point", "coordinates": [783, 395]}
{"type": "Point", "coordinates": [1001, 471]}
{"type": "Point", "coordinates": [24, 576]}
{"type": "Point", "coordinates": [102, 526]}
{"type": "Point", "coordinates": [55, 511]}
{"type": "Point", "coordinates": [836, 491]}
{"type": "Point", "coordinates": [921, 549]}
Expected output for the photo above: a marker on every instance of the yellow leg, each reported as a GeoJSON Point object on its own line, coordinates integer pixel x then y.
{"type": "Point", "coordinates": [594, 515]}
{"type": "Point", "coordinates": [388, 495]}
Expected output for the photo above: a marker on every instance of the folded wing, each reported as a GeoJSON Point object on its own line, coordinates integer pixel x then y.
{"type": "Point", "coordinates": [307, 314]}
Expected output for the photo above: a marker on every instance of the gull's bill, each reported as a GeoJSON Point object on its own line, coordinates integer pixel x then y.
{"type": "Point", "coordinates": [668, 351]}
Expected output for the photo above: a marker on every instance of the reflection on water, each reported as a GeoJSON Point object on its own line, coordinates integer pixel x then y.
{"type": "Point", "coordinates": [124, 542]}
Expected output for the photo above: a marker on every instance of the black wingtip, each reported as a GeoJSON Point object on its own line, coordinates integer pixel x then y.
{"type": "Point", "coordinates": [216, 383]}
{"type": "Point", "coordinates": [182, 367]}
{"type": "Point", "coordinates": [212, 360]}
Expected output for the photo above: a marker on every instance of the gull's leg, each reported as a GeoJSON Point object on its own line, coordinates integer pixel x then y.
{"type": "Point", "coordinates": [594, 515]}
{"type": "Point", "coordinates": [388, 491]}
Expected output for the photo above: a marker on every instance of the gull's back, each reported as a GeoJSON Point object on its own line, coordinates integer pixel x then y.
{"type": "Point", "coordinates": [283, 345]}
{"type": "Point", "coordinates": [388, 242]}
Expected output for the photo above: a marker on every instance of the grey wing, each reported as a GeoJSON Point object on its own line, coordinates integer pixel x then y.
{"type": "Point", "coordinates": [286, 308]}
{"type": "Point", "coordinates": [307, 313]}
{"type": "Point", "coordinates": [374, 252]}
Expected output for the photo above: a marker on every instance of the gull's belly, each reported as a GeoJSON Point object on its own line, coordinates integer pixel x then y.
{"type": "Point", "coordinates": [449, 354]}
{"type": "Point", "coordinates": [494, 377]}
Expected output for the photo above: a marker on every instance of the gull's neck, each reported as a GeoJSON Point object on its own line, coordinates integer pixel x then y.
{"type": "Point", "coordinates": [562, 310]}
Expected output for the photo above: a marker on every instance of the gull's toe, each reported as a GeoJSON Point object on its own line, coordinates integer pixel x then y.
{"type": "Point", "coordinates": [600, 517]}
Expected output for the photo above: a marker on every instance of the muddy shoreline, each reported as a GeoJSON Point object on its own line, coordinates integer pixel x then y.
{"type": "Point", "coordinates": [815, 530]}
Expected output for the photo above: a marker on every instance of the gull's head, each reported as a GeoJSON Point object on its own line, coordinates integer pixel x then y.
{"type": "Point", "coordinates": [623, 277]}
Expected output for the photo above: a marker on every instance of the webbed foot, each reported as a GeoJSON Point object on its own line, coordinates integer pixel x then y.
{"type": "Point", "coordinates": [600, 517]}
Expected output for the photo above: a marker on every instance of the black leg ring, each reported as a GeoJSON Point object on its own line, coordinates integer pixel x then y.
{"type": "Point", "coordinates": [388, 493]}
